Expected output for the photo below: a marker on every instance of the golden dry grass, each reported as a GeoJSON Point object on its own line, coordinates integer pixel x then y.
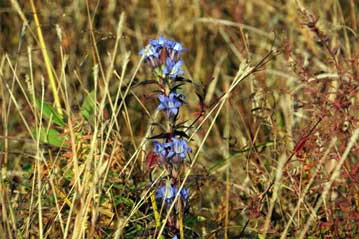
{"type": "Point", "coordinates": [275, 153]}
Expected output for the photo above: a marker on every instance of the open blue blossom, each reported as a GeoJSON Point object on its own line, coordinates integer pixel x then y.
{"type": "Point", "coordinates": [170, 103]}
{"type": "Point", "coordinates": [150, 52]}
{"type": "Point", "coordinates": [172, 68]}
{"type": "Point", "coordinates": [166, 193]}
{"type": "Point", "coordinates": [151, 55]}
{"type": "Point", "coordinates": [178, 47]}
{"type": "Point", "coordinates": [159, 148]}
{"type": "Point", "coordinates": [155, 47]}
{"type": "Point", "coordinates": [174, 48]}
{"type": "Point", "coordinates": [178, 148]}
{"type": "Point", "coordinates": [159, 43]}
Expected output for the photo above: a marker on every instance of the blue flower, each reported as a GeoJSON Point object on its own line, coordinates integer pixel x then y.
{"type": "Point", "coordinates": [178, 148]}
{"type": "Point", "coordinates": [170, 65]}
{"type": "Point", "coordinates": [172, 68]}
{"type": "Point", "coordinates": [175, 47]}
{"type": "Point", "coordinates": [160, 43]}
{"type": "Point", "coordinates": [151, 52]}
{"type": "Point", "coordinates": [156, 45]}
{"type": "Point", "coordinates": [184, 194]}
{"type": "Point", "coordinates": [169, 44]}
{"type": "Point", "coordinates": [166, 193]}
{"type": "Point", "coordinates": [178, 47]}
{"type": "Point", "coordinates": [170, 103]}
{"type": "Point", "coordinates": [159, 148]}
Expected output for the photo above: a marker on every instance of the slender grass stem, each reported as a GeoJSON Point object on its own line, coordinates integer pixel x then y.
{"type": "Point", "coordinates": [47, 60]}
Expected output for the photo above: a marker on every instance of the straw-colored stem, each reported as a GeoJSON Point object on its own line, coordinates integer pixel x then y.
{"type": "Point", "coordinates": [180, 218]}
{"type": "Point", "coordinates": [46, 59]}
{"type": "Point", "coordinates": [155, 210]}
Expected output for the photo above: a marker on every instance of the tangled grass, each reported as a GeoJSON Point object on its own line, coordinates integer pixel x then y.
{"type": "Point", "coordinates": [272, 116]}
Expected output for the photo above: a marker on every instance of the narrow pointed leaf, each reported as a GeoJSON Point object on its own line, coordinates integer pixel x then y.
{"type": "Point", "coordinates": [49, 112]}
{"type": "Point", "coordinates": [51, 136]}
{"type": "Point", "coordinates": [88, 106]}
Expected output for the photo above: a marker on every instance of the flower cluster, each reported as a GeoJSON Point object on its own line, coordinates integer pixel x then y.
{"type": "Point", "coordinates": [175, 148]}
{"type": "Point", "coordinates": [164, 56]}
{"type": "Point", "coordinates": [170, 149]}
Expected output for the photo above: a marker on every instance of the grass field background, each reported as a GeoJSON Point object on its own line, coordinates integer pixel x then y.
{"type": "Point", "coordinates": [274, 88]}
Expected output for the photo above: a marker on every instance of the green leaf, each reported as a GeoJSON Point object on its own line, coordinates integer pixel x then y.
{"type": "Point", "coordinates": [135, 231]}
{"type": "Point", "coordinates": [68, 175]}
{"type": "Point", "coordinates": [48, 112]}
{"type": "Point", "coordinates": [26, 184]}
{"type": "Point", "coordinates": [27, 167]}
{"type": "Point", "coordinates": [51, 136]}
{"type": "Point", "coordinates": [88, 106]}
{"type": "Point", "coordinates": [118, 186]}
{"type": "Point", "coordinates": [123, 200]}
{"type": "Point", "coordinates": [191, 221]}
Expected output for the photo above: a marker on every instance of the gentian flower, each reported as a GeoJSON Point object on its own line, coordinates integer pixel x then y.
{"type": "Point", "coordinates": [174, 49]}
{"type": "Point", "coordinates": [164, 53]}
{"type": "Point", "coordinates": [184, 194]}
{"type": "Point", "coordinates": [151, 55]}
{"type": "Point", "coordinates": [170, 103]}
{"type": "Point", "coordinates": [175, 46]}
{"type": "Point", "coordinates": [164, 57]}
{"type": "Point", "coordinates": [160, 43]}
{"type": "Point", "coordinates": [150, 52]}
{"type": "Point", "coordinates": [159, 148]}
{"type": "Point", "coordinates": [178, 48]}
{"type": "Point", "coordinates": [172, 68]}
{"type": "Point", "coordinates": [179, 148]}
{"type": "Point", "coordinates": [166, 193]}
